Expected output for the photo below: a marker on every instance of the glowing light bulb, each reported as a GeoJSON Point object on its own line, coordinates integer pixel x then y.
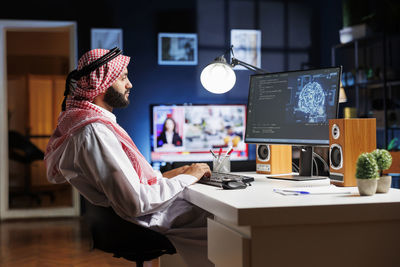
{"type": "Point", "coordinates": [218, 77]}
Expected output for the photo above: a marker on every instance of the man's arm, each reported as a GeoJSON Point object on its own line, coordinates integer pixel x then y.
{"type": "Point", "coordinates": [175, 172]}
{"type": "Point", "coordinates": [196, 169]}
{"type": "Point", "coordinates": [101, 161]}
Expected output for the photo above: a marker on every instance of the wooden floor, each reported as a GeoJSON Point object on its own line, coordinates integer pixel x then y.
{"type": "Point", "coordinates": [52, 242]}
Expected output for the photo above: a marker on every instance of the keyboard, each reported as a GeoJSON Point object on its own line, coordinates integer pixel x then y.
{"type": "Point", "coordinates": [217, 178]}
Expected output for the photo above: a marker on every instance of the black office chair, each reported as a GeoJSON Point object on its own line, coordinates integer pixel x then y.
{"type": "Point", "coordinates": [21, 149]}
{"type": "Point", "coordinates": [112, 234]}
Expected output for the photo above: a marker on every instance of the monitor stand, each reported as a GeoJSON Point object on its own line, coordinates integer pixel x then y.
{"type": "Point", "coordinates": [305, 167]}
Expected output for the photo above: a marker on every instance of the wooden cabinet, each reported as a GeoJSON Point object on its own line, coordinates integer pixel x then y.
{"type": "Point", "coordinates": [34, 104]}
{"type": "Point", "coordinates": [45, 95]}
{"type": "Point", "coordinates": [45, 98]}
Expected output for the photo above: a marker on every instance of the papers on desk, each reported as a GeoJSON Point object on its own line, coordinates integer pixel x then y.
{"type": "Point", "coordinates": [320, 190]}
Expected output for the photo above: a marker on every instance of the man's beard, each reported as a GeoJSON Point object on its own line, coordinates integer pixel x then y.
{"type": "Point", "coordinates": [115, 99]}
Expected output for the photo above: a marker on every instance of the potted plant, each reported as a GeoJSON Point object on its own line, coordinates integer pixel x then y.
{"type": "Point", "coordinates": [367, 174]}
{"type": "Point", "coordinates": [384, 161]}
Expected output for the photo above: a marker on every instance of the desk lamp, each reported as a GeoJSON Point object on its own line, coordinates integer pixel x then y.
{"type": "Point", "coordinates": [218, 77]}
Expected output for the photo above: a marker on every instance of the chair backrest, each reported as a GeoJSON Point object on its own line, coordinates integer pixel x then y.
{"type": "Point", "coordinates": [18, 143]}
{"type": "Point", "coordinates": [113, 234]}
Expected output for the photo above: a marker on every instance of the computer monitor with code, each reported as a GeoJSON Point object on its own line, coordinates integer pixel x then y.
{"type": "Point", "coordinates": [293, 108]}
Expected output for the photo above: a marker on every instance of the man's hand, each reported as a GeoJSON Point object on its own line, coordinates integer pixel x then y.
{"type": "Point", "coordinates": [175, 172]}
{"type": "Point", "coordinates": [198, 170]}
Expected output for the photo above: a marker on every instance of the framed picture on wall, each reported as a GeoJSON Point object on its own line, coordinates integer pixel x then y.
{"type": "Point", "coordinates": [247, 46]}
{"type": "Point", "coordinates": [177, 49]}
{"type": "Point", "coordinates": [106, 38]}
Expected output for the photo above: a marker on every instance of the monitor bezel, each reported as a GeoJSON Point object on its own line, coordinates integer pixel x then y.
{"type": "Point", "coordinates": [193, 104]}
{"type": "Point", "coordinates": [339, 68]}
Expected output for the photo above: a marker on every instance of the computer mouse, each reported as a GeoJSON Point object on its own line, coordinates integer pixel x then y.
{"type": "Point", "coordinates": [233, 185]}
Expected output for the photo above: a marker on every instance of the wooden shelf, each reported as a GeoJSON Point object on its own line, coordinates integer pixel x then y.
{"type": "Point", "coordinates": [373, 84]}
{"type": "Point", "coordinates": [375, 37]}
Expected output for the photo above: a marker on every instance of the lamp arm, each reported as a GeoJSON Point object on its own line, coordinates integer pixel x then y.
{"type": "Point", "coordinates": [236, 61]}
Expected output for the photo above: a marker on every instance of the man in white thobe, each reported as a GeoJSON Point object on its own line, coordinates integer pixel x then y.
{"type": "Point", "coordinates": [94, 154]}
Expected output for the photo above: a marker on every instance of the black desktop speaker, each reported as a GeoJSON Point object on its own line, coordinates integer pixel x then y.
{"type": "Point", "coordinates": [348, 138]}
{"type": "Point", "coordinates": [273, 159]}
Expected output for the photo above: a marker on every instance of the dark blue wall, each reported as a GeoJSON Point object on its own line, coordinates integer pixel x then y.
{"type": "Point", "coordinates": [294, 34]}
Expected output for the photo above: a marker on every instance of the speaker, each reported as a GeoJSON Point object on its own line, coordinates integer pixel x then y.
{"type": "Point", "coordinates": [348, 138]}
{"type": "Point", "coordinates": [274, 159]}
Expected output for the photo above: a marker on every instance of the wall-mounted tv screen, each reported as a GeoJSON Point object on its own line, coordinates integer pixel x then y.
{"type": "Point", "coordinates": [188, 132]}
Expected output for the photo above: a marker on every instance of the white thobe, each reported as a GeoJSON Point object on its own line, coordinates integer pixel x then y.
{"type": "Point", "coordinates": [93, 161]}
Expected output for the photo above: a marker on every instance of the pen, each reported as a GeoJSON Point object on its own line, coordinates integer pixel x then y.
{"type": "Point", "coordinates": [212, 152]}
{"type": "Point", "coordinates": [230, 150]}
{"type": "Point", "coordinates": [301, 192]}
{"type": "Point", "coordinates": [297, 192]}
{"type": "Point", "coordinates": [221, 161]}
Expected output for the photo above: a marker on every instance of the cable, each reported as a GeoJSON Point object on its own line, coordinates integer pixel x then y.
{"type": "Point", "coordinates": [296, 168]}
{"type": "Point", "coordinates": [316, 166]}
{"type": "Point", "coordinates": [322, 160]}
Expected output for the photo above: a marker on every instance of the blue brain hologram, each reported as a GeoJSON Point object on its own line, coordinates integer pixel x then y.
{"type": "Point", "coordinates": [312, 98]}
{"type": "Point", "coordinates": [312, 102]}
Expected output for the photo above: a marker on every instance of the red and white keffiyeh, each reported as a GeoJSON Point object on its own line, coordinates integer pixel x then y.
{"type": "Point", "coordinates": [98, 81]}
{"type": "Point", "coordinates": [80, 113]}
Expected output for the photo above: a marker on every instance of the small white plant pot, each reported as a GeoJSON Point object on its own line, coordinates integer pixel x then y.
{"type": "Point", "coordinates": [367, 187]}
{"type": "Point", "coordinates": [384, 184]}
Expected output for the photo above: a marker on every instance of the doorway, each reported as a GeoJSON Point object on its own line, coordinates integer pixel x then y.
{"type": "Point", "coordinates": [38, 56]}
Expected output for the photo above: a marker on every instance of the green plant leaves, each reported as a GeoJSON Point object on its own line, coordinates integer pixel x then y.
{"type": "Point", "coordinates": [366, 167]}
{"type": "Point", "coordinates": [383, 158]}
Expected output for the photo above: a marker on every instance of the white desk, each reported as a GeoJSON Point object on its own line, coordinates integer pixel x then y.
{"type": "Point", "coordinates": [257, 227]}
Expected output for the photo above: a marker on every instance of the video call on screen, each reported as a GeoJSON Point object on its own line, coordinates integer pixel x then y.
{"type": "Point", "coordinates": [292, 107]}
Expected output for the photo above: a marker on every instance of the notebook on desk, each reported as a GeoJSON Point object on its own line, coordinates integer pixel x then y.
{"type": "Point", "coordinates": [315, 190]}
